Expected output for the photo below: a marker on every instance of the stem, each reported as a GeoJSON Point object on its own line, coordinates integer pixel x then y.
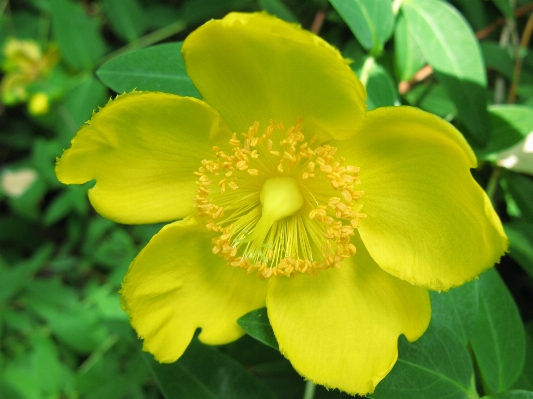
{"type": "Point", "coordinates": [97, 354]}
{"type": "Point", "coordinates": [492, 185]}
{"type": "Point", "coordinates": [318, 21]}
{"type": "Point", "coordinates": [149, 39]}
{"type": "Point", "coordinates": [365, 71]}
{"type": "Point", "coordinates": [524, 41]}
{"type": "Point", "coordinates": [309, 392]}
{"type": "Point", "coordinates": [396, 4]}
{"type": "Point", "coordinates": [483, 33]}
{"type": "Point", "coordinates": [499, 84]}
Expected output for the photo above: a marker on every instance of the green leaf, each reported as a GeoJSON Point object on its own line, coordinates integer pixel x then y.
{"type": "Point", "coordinates": [371, 21]}
{"type": "Point", "coordinates": [257, 325]}
{"type": "Point", "coordinates": [432, 98]}
{"type": "Point", "coordinates": [277, 8]}
{"type": "Point", "coordinates": [450, 47]}
{"type": "Point", "coordinates": [436, 366]}
{"type": "Point", "coordinates": [157, 68]}
{"type": "Point", "coordinates": [497, 58]}
{"type": "Point", "coordinates": [78, 105]}
{"type": "Point", "coordinates": [380, 88]}
{"type": "Point", "coordinates": [520, 236]}
{"type": "Point", "coordinates": [77, 34]}
{"type": "Point", "coordinates": [407, 55]}
{"type": "Point", "coordinates": [505, 7]}
{"type": "Point", "coordinates": [203, 372]}
{"type": "Point", "coordinates": [457, 309]}
{"type": "Point", "coordinates": [13, 279]}
{"type": "Point", "coordinates": [509, 124]}
{"type": "Point", "coordinates": [498, 340]}
{"type": "Point", "coordinates": [126, 18]}
{"type": "Point", "coordinates": [525, 381]}
{"type": "Point", "coordinates": [516, 394]}
{"type": "Point", "coordinates": [521, 189]}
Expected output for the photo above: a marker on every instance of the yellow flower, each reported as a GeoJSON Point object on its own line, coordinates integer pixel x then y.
{"type": "Point", "coordinates": [337, 219]}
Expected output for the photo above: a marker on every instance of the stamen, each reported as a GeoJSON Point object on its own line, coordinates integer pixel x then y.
{"type": "Point", "coordinates": [279, 217]}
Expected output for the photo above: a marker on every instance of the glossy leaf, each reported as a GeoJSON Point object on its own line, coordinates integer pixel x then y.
{"type": "Point", "coordinates": [498, 340]}
{"type": "Point", "coordinates": [520, 235]}
{"type": "Point", "coordinates": [125, 17]}
{"type": "Point", "coordinates": [380, 87]}
{"type": "Point", "coordinates": [157, 68]}
{"type": "Point", "coordinates": [257, 325]}
{"type": "Point", "coordinates": [83, 49]}
{"type": "Point", "coordinates": [407, 55]}
{"type": "Point", "coordinates": [371, 21]}
{"type": "Point", "coordinates": [457, 309]}
{"type": "Point", "coordinates": [436, 366]}
{"type": "Point", "coordinates": [450, 47]}
{"type": "Point", "coordinates": [203, 372]}
{"type": "Point", "coordinates": [509, 124]}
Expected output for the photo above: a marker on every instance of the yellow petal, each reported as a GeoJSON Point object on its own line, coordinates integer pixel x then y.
{"type": "Point", "coordinates": [176, 285]}
{"type": "Point", "coordinates": [429, 222]}
{"type": "Point", "coordinates": [340, 329]}
{"type": "Point", "coordinates": [142, 149]}
{"type": "Point", "coordinates": [255, 67]}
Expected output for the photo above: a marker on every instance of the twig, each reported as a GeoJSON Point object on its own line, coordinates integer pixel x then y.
{"type": "Point", "coordinates": [318, 21]}
{"type": "Point", "coordinates": [483, 33]}
{"type": "Point", "coordinates": [524, 41]}
{"type": "Point", "coordinates": [426, 71]}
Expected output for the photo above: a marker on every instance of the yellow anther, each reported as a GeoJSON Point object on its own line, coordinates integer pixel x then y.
{"type": "Point", "coordinates": [273, 222]}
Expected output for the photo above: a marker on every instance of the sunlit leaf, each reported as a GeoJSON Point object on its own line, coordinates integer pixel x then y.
{"type": "Point", "coordinates": [407, 55]}
{"type": "Point", "coordinates": [450, 47]}
{"type": "Point", "coordinates": [371, 21]}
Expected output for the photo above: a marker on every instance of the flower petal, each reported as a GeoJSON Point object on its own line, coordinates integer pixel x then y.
{"type": "Point", "coordinates": [340, 329]}
{"type": "Point", "coordinates": [142, 149]}
{"type": "Point", "coordinates": [176, 285]}
{"type": "Point", "coordinates": [255, 67]}
{"type": "Point", "coordinates": [429, 222]}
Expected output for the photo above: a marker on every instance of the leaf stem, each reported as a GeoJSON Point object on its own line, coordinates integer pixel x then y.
{"type": "Point", "coordinates": [365, 71]}
{"type": "Point", "coordinates": [492, 185]}
{"type": "Point", "coordinates": [309, 392]}
{"type": "Point", "coordinates": [396, 4]}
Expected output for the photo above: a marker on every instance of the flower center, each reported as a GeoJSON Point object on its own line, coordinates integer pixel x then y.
{"type": "Point", "coordinates": [282, 215]}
